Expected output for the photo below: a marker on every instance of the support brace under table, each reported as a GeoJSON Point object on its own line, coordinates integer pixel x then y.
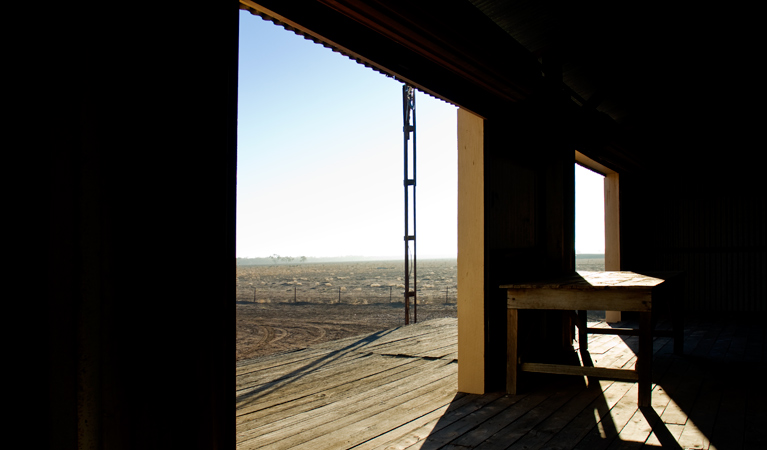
{"type": "Point", "coordinates": [583, 291]}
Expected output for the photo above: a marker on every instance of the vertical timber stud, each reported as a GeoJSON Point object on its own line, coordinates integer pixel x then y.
{"type": "Point", "coordinates": [471, 253]}
{"type": "Point", "coordinates": [612, 233]}
{"type": "Point", "coordinates": [408, 119]}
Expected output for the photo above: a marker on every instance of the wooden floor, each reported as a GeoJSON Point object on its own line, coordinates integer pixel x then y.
{"type": "Point", "coordinates": [397, 389]}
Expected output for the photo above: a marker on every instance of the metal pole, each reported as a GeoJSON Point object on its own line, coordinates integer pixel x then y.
{"type": "Point", "coordinates": [415, 259]}
{"type": "Point", "coordinates": [406, 137]}
{"type": "Point", "coordinates": [408, 119]}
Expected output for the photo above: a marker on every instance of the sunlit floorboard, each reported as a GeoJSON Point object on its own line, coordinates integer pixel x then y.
{"type": "Point", "coordinates": [396, 389]}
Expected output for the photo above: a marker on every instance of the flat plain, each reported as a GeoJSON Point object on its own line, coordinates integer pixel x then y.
{"type": "Point", "coordinates": [287, 307]}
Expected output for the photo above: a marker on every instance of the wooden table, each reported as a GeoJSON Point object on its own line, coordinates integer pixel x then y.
{"type": "Point", "coordinates": [583, 291]}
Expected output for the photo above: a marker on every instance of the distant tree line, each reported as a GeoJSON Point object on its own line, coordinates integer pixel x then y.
{"type": "Point", "coordinates": [277, 259]}
{"type": "Point", "coordinates": [589, 256]}
{"type": "Point", "coordinates": [273, 259]}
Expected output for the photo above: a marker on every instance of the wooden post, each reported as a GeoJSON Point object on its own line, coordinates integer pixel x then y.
{"type": "Point", "coordinates": [512, 357]}
{"type": "Point", "coordinates": [583, 337]}
{"type": "Point", "coordinates": [471, 253]}
{"type": "Point", "coordinates": [644, 359]}
{"type": "Point", "coordinates": [612, 233]}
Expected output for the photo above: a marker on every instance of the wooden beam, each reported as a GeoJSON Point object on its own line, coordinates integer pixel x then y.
{"type": "Point", "coordinates": [612, 233]}
{"type": "Point", "coordinates": [430, 33]}
{"type": "Point", "coordinates": [471, 253]}
{"type": "Point", "coordinates": [600, 372]}
{"type": "Point", "coordinates": [615, 331]}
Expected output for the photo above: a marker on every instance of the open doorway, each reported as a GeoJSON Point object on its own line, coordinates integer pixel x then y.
{"type": "Point", "coordinates": [589, 225]}
{"type": "Point", "coordinates": [589, 220]}
{"type": "Point", "coordinates": [319, 194]}
{"type": "Point", "coordinates": [610, 216]}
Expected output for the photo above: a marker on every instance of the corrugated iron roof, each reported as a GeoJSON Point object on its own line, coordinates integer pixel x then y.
{"type": "Point", "coordinates": [289, 25]}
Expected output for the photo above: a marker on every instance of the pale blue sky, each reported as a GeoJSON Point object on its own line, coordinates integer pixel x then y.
{"type": "Point", "coordinates": [589, 211]}
{"type": "Point", "coordinates": [320, 154]}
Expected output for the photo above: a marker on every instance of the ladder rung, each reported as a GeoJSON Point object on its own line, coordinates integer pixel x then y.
{"type": "Point", "coordinates": [409, 238]}
{"type": "Point", "coordinates": [409, 183]}
{"type": "Point", "coordinates": [411, 294]}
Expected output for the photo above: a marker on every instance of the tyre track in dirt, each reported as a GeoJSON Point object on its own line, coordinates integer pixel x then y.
{"type": "Point", "coordinates": [265, 329]}
{"type": "Point", "coordinates": [266, 335]}
{"type": "Point", "coordinates": [279, 333]}
{"type": "Point", "coordinates": [266, 338]}
{"type": "Point", "coordinates": [321, 335]}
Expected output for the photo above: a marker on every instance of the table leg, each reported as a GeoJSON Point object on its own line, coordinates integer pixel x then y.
{"type": "Point", "coordinates": [512, 348]}
{"type": "Point", "coordinates": [583, 337]}
{"type": "Point", "coordinates": [644, 359]}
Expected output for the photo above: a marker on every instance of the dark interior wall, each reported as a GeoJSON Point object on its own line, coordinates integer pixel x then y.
{"type": "Point", "coordinates": [706, 221]}
{"type": "Point", "coordinates": [136, 193]}
{"type": "Point", "coordinates": [696, 200]}
{"type": "Point", "coordinates": [529, 224]}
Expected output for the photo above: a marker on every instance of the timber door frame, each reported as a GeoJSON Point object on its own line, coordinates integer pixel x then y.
{"type": "Point", "coordinates": [612, 218]}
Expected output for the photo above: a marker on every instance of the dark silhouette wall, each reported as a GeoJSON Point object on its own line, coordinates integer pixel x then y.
{"type": "Point", "coordinates": [135, 173]}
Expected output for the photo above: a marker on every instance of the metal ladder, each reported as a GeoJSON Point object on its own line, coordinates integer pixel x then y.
{"type": "Point", "coordinates": [408, 118]}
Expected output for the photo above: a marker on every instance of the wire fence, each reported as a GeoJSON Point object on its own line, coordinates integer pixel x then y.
{"type": "Point", "coordinates": [357, 283]}
{"type": "Point", "coordinates": [342, 294]}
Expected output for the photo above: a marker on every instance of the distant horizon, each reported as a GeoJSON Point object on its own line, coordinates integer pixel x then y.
{"type": "Point", "coordinates": [361, 258]}
{"type": "Point", "coordinates": [355, 257]}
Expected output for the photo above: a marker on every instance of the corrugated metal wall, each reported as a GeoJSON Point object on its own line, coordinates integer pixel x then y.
{"type": "Point", "coordinates": [720, 241]}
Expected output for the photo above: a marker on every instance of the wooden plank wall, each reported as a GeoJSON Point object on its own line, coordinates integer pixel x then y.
{"type": "Point", "coordinates": [717, 237]}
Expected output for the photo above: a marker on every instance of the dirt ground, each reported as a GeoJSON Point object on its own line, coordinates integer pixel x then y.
{"type": "Point", "coordinates": [285, 307]}
{"type": "Point", "coordinates": [288, 307]}
{"type": "Point", "coordinates": [267, 328]}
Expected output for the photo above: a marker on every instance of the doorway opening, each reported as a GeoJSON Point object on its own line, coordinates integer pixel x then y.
{"type": "Point", "coordinates": [589, 220]}
{"type": "Point", "coordinates": [588, 169]}
{"type": "Point", "coordinates": [319, 194]}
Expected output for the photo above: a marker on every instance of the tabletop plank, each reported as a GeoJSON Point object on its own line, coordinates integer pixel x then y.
{"type": "Point", "coordinates": [591, 281]}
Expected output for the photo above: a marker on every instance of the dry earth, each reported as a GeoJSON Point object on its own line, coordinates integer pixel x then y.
{"type": "Point", "coordinates": [267, 328]}
{"type": "Point", "coordinates": [288, 307]}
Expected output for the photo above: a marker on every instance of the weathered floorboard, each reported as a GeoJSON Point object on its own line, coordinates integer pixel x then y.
{"type": "Point", "coordinates": [396, 389]}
